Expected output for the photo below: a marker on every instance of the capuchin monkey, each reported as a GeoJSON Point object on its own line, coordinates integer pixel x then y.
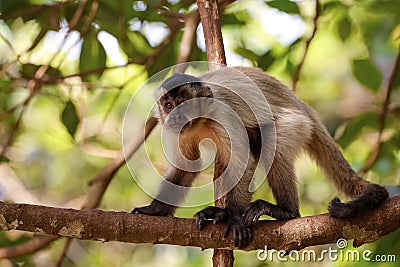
{"type": "Point", "coordinates": [296, 127]}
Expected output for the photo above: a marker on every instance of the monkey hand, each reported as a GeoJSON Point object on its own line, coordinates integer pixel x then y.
{"type": "Point", "coordinates": [260, 207]}
{"type": "Point", "coordinates": [242, 234]}
{"type": "Point", "coordinates": [154, 209]}
{"type": "Point", "coordinates": [214, 213]}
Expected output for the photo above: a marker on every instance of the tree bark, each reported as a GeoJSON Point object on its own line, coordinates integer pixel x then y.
{"type": "Point", "coordinates": [209, 15]}
{"type": "Point", "coordinates": [122, 226]}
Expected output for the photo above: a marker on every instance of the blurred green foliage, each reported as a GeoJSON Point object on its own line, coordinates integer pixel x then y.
{"type": "Point", "coordinates": [59, 135]}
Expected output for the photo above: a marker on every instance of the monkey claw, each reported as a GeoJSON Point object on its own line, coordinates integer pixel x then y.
{"type": "Point", "coordinates": [242, 234]}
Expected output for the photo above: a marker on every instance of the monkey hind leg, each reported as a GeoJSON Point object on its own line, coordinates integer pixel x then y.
{"type": "Point", "coordinates": [369, 198]}
{"type": "Point", "coordinates": [260, 207]}
{"type": "Point", "coordinates": [282, 180]}
{"type": "Point", "coordinates": [328, 156]}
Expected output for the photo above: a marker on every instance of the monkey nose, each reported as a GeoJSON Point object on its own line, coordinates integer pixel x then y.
{"type": "Point", "coordinates": [177, 121]}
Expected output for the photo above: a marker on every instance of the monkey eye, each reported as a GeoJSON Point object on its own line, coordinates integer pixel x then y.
{"type": "Point", "coordinates": [168, 105]}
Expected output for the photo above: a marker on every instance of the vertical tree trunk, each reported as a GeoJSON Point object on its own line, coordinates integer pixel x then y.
{"type": "Point", "coordinates": [209, 16]}
{"type": "Point", "coordinates": [221, 257]}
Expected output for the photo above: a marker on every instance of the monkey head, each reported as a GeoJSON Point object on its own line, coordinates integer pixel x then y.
{"type": "Point", "coordinates": [174, 109]}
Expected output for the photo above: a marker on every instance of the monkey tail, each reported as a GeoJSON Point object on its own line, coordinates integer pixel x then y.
{"type": "Point", "coordinates": [365, 195]}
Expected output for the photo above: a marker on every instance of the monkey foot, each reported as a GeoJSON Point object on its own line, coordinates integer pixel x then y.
{"type": "Point", "coordinates": [214, 213]}
{"type": "Point", "coordinates": [150, 210]}
{"type": "Point", "coordinates": [242, 234]}
{"type": "Point", "coordinates": [260, 207]}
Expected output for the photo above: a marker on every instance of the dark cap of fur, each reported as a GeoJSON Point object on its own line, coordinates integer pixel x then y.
{"type": "Point", "coordinates": [179, 79]}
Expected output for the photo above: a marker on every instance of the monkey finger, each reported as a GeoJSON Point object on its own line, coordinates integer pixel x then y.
{"type": "Point", "coordinates": [257, 217]}
{"type": "Point", "coordinates": [135, 211]}
{"type": "Point", "coordinates": [200, 221]}
{"type": "Point", "coordinates": [227, 229]}
{"type": "Point", "coordinates": [252, 214]}
{"type": "Point", "coordinates": [141, 210]}
{"type": "Point", "coordinates": [249, 217]}
{"type": "Point", "coordinates": [249, 235]}
{"type": "Point", "coordinates": [238, 236]}
{"type": "Point", "coordinates": [245, 238]}
{"type": "Point", "coordinates": [220, 216]}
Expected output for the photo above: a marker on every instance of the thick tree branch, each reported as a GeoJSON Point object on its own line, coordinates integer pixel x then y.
{"type": "Point", "coordinates": [122, 226]}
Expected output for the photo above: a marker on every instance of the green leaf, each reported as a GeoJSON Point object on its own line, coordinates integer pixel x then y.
{"type": "Point", "coordinates": [244, 52]}
{"type": "Point", "coordinates": [69, 118]}
{"type": "Point", "coordinates": [10, 7]}
{"type": "Point", "coordinates": [5, 84]}
{"type": "Point", "coordinates": [107, 17]}
{"type": "Point", "coordinates": [344, 28]}
{"type": "Point", "coordinates": [4, 159]}
{"type": "Point", "coordinates": [266, 60]}
{"type": "Point", "coordinates": [367, 74]}
{"type": "Point", "coordinates": [387, 6]}
{"type": "Point", "coordinates": [167, 57]}
{"type": "Point", "coordinates": [138, 45]}
{"type": "Point", "coordinates": [396, 81]}
{"type": "Point", "coordinates": [290, 67]}
{"type": "Point", "coordinates": [285, 6]}
{"type": "Point", "coordinates": [198, 54]}
{"type": "Point", "coordinates": [93, 56]}
{"type": "Point", "coordinates": [29, 70]}
{"type": "Point", "coordinates": [327, 7]}
{"type": "Point", "coordinates": [386, 161]}
{"type": "Point", "coordinates": [354, 127]}
{"type": "Point", "coordinates": [227, 18]}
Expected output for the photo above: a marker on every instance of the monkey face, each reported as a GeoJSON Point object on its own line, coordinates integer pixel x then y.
{"type": "Point", "coordinates": [173, 98]}
{"type": "Point", "coordinates": [175, 110]}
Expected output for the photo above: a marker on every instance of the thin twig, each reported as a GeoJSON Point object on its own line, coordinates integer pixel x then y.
{"type": "Point", "coordinates": [296, 75]}
{"type": "Point", "coordinates": [382, 117]}
{"type": "Point", "coordinates": [7, 112]}
{"type": "Point", "coordinates": [64, 252]}
{"type": "Point", "coordinates": [77, 15]}
{"type": "Point", "coordinates": [34, 86]}
{"type": "Point", "coordinates": [14, 130]}
{"type": "Point", "coordinates": [188, 37]}
{"type": "Point", "coordinates": [30, 12]}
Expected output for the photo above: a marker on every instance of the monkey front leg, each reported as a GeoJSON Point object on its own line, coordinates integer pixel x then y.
{"type": "Point", "coordinates": [237, 200]}
{"type": "Point", "coordinates": [173, 189]}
